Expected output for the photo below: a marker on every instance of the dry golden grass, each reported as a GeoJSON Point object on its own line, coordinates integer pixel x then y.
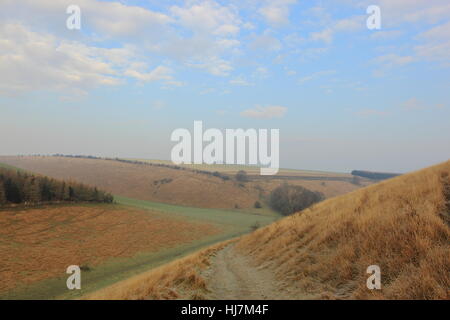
{"type": "Point", "coordinates": [179, 279]}
{"type": "Point", "coordinates": [328, 188]}
{"type": "Point", "coordinates": [323, 252]}
{"type": "Point", "coordinates": [185, 188]}
{"type": "Point", "coordinates": [37, 244]}
{"type": "Point", "coordinates": [400, 224]}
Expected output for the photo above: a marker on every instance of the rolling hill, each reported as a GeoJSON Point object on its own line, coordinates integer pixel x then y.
{"type": "Point", "coordinates": [180, 187]}
{"type": "Point", "coordinates": [401, 225]}
{"type": "Point", "coordinates": [48, 224]}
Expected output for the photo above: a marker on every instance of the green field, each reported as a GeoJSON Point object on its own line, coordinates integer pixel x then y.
{"type": "Point", "coordinates": [230, 168]}
{"type": "Point", "coordinates": [233, 224]}
{"type": "Point", "coordinates": [7, 166]}
{"type": "Point", "coordinates": [239, 219]}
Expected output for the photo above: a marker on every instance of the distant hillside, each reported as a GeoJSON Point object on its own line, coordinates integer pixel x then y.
{"type": "Point", "coordinates": [165, 183]}
{"type": "Point", "coordinates": [19, 187]}
{"type": "Point", "coordinates": [374, 175]}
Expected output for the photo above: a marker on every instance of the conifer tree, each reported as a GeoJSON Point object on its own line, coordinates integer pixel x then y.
{"type": "Point", "coordinates": [24, 188]}
{"type": "Point", "coordinates": [33, 191]}
{"type": "Point", "coordinates": [2, 194]}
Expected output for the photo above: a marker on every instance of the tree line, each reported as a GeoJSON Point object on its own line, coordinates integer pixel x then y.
{"type": "Point", "coordinates": [374, 175]}
{"type": "Point", "coordinates": [18, 187]}
{"type": "Point", "coordinates": [216, 174]}
{"type": "Point", "coordinates": [288, 199]}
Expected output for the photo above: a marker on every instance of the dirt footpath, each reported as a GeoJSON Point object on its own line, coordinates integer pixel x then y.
{"type": "Point", "coordinates": [232, 277]}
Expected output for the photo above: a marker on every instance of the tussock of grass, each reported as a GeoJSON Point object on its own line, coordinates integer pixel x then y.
{"type": "Point", "coordinates": [400, 224]}
{"type": "Point", "coordinates": [179, 279]}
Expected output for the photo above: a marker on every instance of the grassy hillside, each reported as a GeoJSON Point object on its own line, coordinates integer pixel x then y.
{"type": "Point", "coordinates": [401, 225]}
{"type": "Point", "coordinates": [114, 241]}
{"type": "Point", "coordinates": [38, 244]}
{"type": "Point", "coordinates": [180, 187]}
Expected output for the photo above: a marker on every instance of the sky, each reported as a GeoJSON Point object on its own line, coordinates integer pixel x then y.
{"type": "Point", "coordinates": [343, 96]}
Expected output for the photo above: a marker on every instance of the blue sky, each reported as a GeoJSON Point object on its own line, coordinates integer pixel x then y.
{"type": "Point", "coordinates": [344, 97]}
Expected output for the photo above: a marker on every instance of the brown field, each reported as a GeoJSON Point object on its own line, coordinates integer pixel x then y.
{"type": "Point", "coordinates": [180, 187]}
{"type": "Point", "coordinates": [40, 243]}
{"type": "Point", "coordinates": [323, 252]}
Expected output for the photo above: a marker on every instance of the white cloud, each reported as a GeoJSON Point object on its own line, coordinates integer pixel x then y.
{"type": "Point", "coordinates": [275, 15]}
{"type": "Point", "coordinates": [261, 72]}
{"type": "Point", "coordinates": [291, 73]}
{"type": "Point", "coordinates": [413, 11]}
{"type": "Point", "coordinates": [355, 23]}
{"type": "Point", "coordinates": [386, 35]}
{"type": "Point", "coordinates": [214, 65]}
{"type": "Point", "coordinates": [276, 12]}
{"type": "Point", "coordinates": [212, 28]}
{"type": "Point", "coordinates": [435, 52]}
{"type": "Point", "coordinates": [208, 17]}
{"type": "Point", "coordinates": [159, 73]}
{"type": "Point", "coordinates": [240, 81]}
{"type": "Point", "coordinates": [31, 61]}
{"type": "Point", "coordinates": [158, 104]}
{"type": "Point", "coordinates": [119, 20]}
{"type": "Point", "coordinates": [316, 75]}
{"type": "Point", "coordinates": [412, 104]}
{"type": "Point", "coordinates": [110, 19]}
{"type": "Point", "coordinates": [318, 16]}
{"type": "Point", "coordinates": [324, 35]}
{"type": "Point", "coordinates": [391, 60]}
{"type": "Point", "coordinates": [438, 33]}
{"type": "Point", "coordinates": [311, 53]}
{"type": "Point", "coordinates": [266, 42]}
{"type": "Point", "coordinates": [352, 24]}
{"type": "Point", "coordinates": [265, 112]}
{"type": "Point", "coordinates": [174, 83]}
{"type": "Point", "coordinates": [436, 46]}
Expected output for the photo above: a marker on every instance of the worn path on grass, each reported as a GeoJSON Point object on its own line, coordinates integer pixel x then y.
{"type": "Point", "coordinates": [232, 276]}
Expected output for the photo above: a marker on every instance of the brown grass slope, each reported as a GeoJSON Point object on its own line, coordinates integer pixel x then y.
{"type": "Point", "coordinates": [161, 184]}
{"type": "Point", "coordinates": [402, 225]}
{"type": "Point", "coordinates": [142, 182]}
{"type": "Point", "coordinates": [39, 243]}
